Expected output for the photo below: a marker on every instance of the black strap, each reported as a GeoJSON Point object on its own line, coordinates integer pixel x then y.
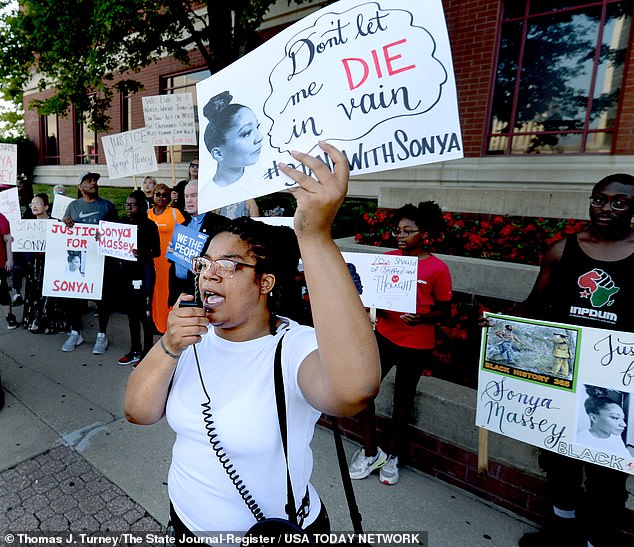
{"type": "Point", "coordinates": [355, 515]}
{"type": "Point", "coordinates": [280, 400]}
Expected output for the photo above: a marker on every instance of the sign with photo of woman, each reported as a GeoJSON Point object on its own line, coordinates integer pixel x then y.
{"type": "Point", "coordinates": [560, 387]}
{"type": "Point", "coordinates": [73, 268]}
{"type": "Point", "coordinates": [374, 79]}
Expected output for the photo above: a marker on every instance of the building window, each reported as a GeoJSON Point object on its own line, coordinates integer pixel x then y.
{"type": "Point", "coordinates": [49, 140]}
{"type": "Point", "coordinates": [183, 83]}
{"type": "Point", "coordinates": [559, 71]}
{"type": "Point", "coordinates": [86, 144]}
{"type": "Point", "coordinates": [126, 112]}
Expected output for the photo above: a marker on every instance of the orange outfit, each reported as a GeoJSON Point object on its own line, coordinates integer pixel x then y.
{"type": "Point", "coordinates": [165, 222]}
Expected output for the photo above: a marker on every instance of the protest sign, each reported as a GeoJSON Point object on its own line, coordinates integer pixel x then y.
{"type": "Point", "coordinates": [129, 153]}
{"type": "Point", "coordinates": [29, 235]}
{"type": "Point", "coordinates": [169, 119]}
{"type": "Point", "coordinates": [60, 204]}
{"type": "Point", "coordinates": [549, 384]}
{"type": "Point", "coordinates": [8, 163]}
{"type": "Point", "coordinates": [10, 204]}
{"type": "Point", "coordinates": [73, 268]}
{"type": "Point", "coordinates": [117, 240]}
{"type": "Point", "coordinates": [375, 79]}
{"type": "Point", "coordinates": [186, 244]}
{"type": "Point", "coordinates": [386, 282]}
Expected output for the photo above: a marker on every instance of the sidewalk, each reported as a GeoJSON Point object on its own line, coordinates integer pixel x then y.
{"type": "Point", "coordinates": [70, 461]}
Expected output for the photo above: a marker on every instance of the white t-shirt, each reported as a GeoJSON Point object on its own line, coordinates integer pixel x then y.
{"type": "Point", "coordinates": [611, 445]}
{"type": "Point", "coordinates": [238, 377]}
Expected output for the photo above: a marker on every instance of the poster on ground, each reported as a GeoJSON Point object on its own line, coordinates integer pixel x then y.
{"type": "Point", "coordinates": [117, 240]}
{"type": "Point", "coordinates": [8, 163]}
{"type": "Point", "coordinates": [73, 268]}
{"type": "Point", "coordinates": [385, 282]}
{"type": "Point", "coordinates": [375, 79]}
{"type": "Point", "coordinates": [169, 119]}
{"type": "Point", "coordinates": [129, 153]}
{"type": "Point", "coordinates": [559, 387]}
{"type": "Point", "coordinates": [29, 236]}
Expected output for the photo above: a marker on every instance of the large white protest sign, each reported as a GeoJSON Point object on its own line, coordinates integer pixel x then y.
{"type": "Point", "coordinates": [73, 268]}
{"type": "Point", "coordinates": [169, 119]}
{"type": "Point", "coordinates": [117, 240]}
{"type": "Point", "coordinates": [29, 235]}
{"type": "Point", "coordinates": [551, 385]}
{"type": "Point", "coordinates": [386, 282]}
{"type": "Point", "coordinates": [8, 163]}
{"type": "Point", "coordinates": [375, 79]}
{"type": "Point", "coordinates": [129, 153]}
{"type": "Point", "coordinates": [60, 204]}
{"type": "Point", "coordinates": [186, 244]}
{"type": "Point", "coordinates": [10, 203]}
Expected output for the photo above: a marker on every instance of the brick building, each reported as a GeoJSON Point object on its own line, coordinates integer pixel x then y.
{"type": "Point", "coordinates": [545, 84]}
{"type": "Point", "coordinates": [546, 100]}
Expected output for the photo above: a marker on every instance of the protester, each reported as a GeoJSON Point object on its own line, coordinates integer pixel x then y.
{"type": "Point", "coordinates": [181, 278]}
{"type": "Point", "coordinates": [90, 209]}
{"type": "Point", "coordinates": [148, 185]}
{"type": "Point", "coordinates": [6, 265]}
{"type": "Point", "coordinates": [42, 314]}
{"type": "Point", "coordinates": [59, 190]}
{"type": "Point", "coordinates": [406, 340]}
{"type": "Point", "coordinates": [21, 260]}
{"type": "Point", "coordinates": [235, 336]}
{"type": "Point", "coordinates": [603, 254]}
{"type": "Point", "coordinates": [178, 192]}
{"type": "Point", "coordinates": [165, 218]}
{"type": "Point", "coordinates": [248, 208]}
{"type": "Point", "coordinates": [138, 277]}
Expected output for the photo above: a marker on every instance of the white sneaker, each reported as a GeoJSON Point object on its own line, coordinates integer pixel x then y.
{"type": "Point", "coordinates": [74, 339]}
{"type": "Point", "coordinates": [101, 345]}
{"type": "Point", "coordinates": [361, 465]}
{"type": "Point", "coordinates": [389, 472]}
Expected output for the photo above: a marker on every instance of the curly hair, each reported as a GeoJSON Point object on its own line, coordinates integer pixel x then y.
{"type": "Point", "coordinates": [276, 252]}
{"type": "Point", "coordinates": [140, 199]}
{"type": "Point", "coordinates": [428, 217]}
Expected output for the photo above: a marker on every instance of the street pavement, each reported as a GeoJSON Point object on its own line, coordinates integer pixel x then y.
{"type": "Point", "coordinates": [69, 461]}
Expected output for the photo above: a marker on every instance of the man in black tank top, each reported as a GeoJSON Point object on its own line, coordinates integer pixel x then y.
{"type": "Point", "coordinates": [587, 279]}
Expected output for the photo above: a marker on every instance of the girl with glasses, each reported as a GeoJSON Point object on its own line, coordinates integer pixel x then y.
{"type": "Point", "coordinates": [221, 354]}
{"type": "Point", "coordinates": [406, 340]}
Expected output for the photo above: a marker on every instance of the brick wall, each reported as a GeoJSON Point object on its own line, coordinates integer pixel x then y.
{"type": "Point", "coordinates": [472, 27]}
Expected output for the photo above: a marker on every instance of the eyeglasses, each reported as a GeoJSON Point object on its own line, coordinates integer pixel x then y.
{"type": "Point", "coordinates": [223, 267]}
{"type": "Point", "coordinates": [161, 195]}
{"type": "Point", "coordinates": [396, 232]}
{"type": "Point", "coordinates": [194, 165]}
{"type": "Point", "coordinates": [131, 205]}
{"type": "Point", "coordinates": [617, 204]}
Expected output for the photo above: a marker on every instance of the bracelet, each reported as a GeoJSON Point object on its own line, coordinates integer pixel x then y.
{"type": "Point", "coordinates": [168, 352]}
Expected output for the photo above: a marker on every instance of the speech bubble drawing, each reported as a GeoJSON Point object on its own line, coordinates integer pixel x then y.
{"type": "Point", "coordinates": [379, 66]}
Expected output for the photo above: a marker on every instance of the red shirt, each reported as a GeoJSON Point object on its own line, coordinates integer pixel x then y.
{"type": "Point", "coordinates": [434, 285]}
{"type": "Point", "coordinates": [4, 229]}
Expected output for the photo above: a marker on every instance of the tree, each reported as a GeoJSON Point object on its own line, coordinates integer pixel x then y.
{"type": "Point", "coordinates": [76, 47]}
